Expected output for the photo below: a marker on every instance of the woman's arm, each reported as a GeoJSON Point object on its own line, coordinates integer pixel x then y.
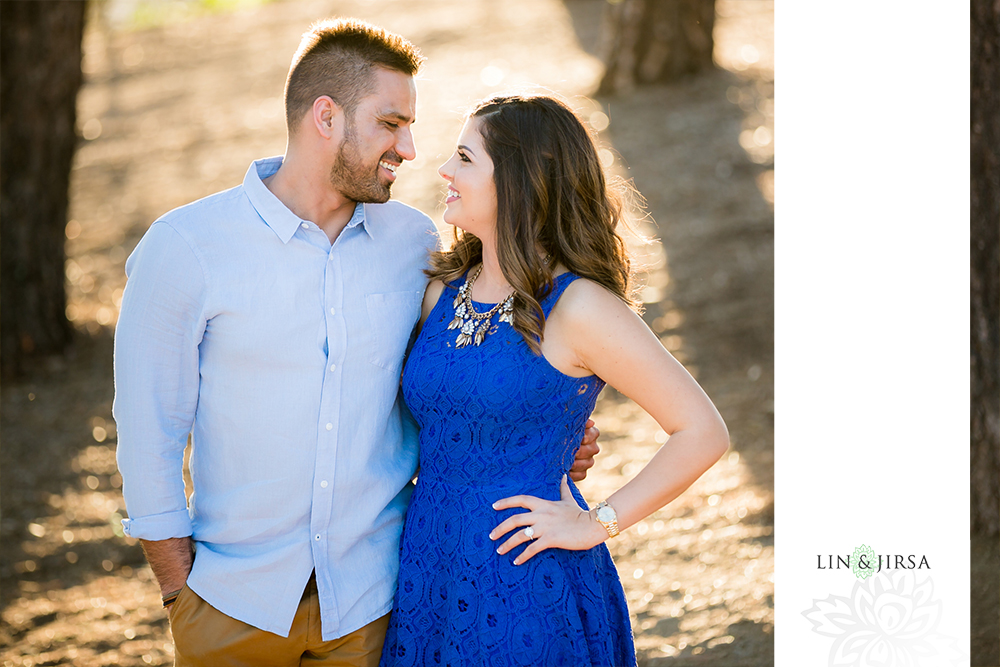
{"type": "Point", "coordinates": [431, 296]}
{"type": "Point", "coordinates": [592, 331]}
{"type": "Point", "coordinates": [611, 341]}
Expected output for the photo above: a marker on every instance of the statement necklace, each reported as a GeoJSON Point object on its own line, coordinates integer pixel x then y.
{"type": "Point", "coordinates": [474, 326]}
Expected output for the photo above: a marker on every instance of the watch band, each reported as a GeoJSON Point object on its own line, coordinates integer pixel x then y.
{"type": "Point", "coordinates": [612, 525]}
{"type": "Point", "coordinates": [171, 597]}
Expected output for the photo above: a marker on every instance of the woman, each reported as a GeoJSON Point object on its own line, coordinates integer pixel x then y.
{"type": "Point", "coordinates": [526, 318]}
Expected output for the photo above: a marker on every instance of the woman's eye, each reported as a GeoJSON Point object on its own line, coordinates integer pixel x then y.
{"type": "Point", "coordinates": [463, 157]}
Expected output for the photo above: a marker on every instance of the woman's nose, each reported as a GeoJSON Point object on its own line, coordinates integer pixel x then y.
{"type": "Point", "coordinates": [444, 171]}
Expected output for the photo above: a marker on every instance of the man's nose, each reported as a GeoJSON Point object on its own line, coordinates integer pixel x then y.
{"type": "Point", "coordinates": [405, 146]}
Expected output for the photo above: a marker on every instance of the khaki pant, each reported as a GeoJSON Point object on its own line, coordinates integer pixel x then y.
{"type": "Point", "coordinates": [205, 637]}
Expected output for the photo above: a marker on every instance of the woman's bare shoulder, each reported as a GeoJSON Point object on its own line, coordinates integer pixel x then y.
{"type": "Point", "coordinates": [431, 296]}
{"type": "Point", "coordinates": [585, 299]}
{"type": "Point", "coordinates": [434, 289]}
{"type": "Point", "coordinates": [590, 320]}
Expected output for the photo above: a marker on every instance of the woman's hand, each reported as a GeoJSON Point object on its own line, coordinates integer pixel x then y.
{"type": "Point", "coordinates": [555, 524]}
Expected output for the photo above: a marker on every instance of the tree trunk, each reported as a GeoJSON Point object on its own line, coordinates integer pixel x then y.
{"type": "Point", "coordinates": [40, 71]}
{"type": "Point", "coordinates": [654, 41]}
{"type": "Point", "coordinates": [985, 312]}
{"type": "Point", "coordinates": [985, 206]}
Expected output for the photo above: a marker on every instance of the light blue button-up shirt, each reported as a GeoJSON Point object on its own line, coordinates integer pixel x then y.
{"type": "Point", "coordinates": [280, 353]}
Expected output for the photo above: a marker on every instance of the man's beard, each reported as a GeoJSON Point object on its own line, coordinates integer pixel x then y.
{"type": "Point", "coordinates": [354, 179]}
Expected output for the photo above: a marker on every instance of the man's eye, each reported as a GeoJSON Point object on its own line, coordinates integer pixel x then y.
{"type": "Point", "coordinates": [392, 125]}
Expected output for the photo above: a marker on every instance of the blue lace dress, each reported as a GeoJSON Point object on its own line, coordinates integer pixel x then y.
{"type": "Point", "coordinates": [497, 421]}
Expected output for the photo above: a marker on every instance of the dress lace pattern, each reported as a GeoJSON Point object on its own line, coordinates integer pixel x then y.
{"type": "Point", "coordinates": [496, 420]}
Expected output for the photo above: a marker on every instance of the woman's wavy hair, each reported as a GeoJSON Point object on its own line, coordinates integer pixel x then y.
{"type": "Point", "coordinates": [552, 195]}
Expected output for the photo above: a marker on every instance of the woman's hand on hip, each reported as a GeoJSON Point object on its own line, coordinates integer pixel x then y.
{"type": "Point", "coordinates": [547, 524]}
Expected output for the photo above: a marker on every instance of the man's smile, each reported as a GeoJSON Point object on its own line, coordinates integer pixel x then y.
{"type": "Point", "coordinates": [389, 167]}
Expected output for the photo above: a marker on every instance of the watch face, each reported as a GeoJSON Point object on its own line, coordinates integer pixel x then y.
{"type": "Point", "coordinates": [606, 514]}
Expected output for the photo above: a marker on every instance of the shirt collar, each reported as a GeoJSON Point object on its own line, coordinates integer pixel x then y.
{"type": "Point", "coordinates": [360, 217]}
{"type": "Point", "coordinates": [276, 215]}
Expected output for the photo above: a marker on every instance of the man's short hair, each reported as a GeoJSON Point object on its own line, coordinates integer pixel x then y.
{"type": "Point", "coordinates": [338, 57]}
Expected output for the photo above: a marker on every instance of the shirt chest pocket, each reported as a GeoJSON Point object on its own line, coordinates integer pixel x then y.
{"type": "Point", "coordinates": [392, 316]}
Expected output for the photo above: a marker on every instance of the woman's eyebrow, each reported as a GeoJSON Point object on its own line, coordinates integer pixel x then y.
{"type": "Point", "coordinates": [466, 149]}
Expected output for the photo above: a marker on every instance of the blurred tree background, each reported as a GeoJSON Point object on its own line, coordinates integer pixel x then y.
{"type": "Point", "coordinates": [180, 95]}
{"type": "Point", "coordinates": [655, 41]}
{"type": "Point", "coordinates": [39, 79]}
{"type": "Point", "coordinates": [985, 326]}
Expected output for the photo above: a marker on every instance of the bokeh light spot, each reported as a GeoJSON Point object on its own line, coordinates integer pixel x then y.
{"type": "Point", "coordinates": [92, 129]}
{"type": "Point", "coordinates": [491, 75]}
{"type": "Point", "coordinates": [607, 157]}
{"type": "Point", "coordinates": [73, 229]}
{"type": "Point", "coordinates": [599, 121]}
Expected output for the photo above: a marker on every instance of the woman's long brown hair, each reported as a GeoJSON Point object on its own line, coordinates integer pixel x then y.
{"type": "Point", "coordinates": [551, 194]}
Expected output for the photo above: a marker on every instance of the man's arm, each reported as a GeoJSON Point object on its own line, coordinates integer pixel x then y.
{"type": "Point", "coordinates": [156, 394]}
{"type": "Point", "coordinates": [585, 455]}
{"type": "Point", "coordinates": [171, 561]}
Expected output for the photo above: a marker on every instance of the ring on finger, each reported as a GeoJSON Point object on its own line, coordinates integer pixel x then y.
{"type": "Point", "coordinates": [529, 532]}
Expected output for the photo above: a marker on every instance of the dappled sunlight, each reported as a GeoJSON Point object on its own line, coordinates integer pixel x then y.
{"type": "Point", "coordinates": [85, 592]}
{"type": "Point", "coordinates": [744, 36]}
{"type": "Point", "coordinates": [109, 620]}
{"type": "Point", "coordinates": [744, 33]}
{"type": "Point", "coordinates": [80, 519]}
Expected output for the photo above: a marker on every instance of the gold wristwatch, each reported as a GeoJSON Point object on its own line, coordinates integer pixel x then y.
{"type": "Point", "coordinates": [608, 518]}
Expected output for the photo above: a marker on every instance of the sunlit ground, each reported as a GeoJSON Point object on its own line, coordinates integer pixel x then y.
{"type": "Point", "coordinates": [176, 112]}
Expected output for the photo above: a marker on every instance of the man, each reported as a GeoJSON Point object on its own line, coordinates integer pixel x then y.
{"type": "Point", "coordinates": [270, 321]}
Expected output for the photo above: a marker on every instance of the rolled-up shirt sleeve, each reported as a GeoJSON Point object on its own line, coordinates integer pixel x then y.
{"type": "Point", "coordinates": [160, 327]}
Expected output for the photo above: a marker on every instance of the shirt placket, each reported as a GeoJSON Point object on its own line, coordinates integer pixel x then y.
{"type": "Point", "coordinates": [328, 427]}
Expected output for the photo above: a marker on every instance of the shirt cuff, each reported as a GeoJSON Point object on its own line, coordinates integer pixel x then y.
{"type": "Point", "coordinates": [159, 526]}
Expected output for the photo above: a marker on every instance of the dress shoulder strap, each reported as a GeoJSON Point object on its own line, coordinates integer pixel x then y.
{"type": "Point", "coordinates": [561, 281]}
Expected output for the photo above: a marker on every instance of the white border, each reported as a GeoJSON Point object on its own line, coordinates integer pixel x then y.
{"type": "Point", "coordinates": [872, 294]}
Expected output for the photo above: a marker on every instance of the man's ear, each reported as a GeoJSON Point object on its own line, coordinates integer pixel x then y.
{"type": "Point", "coordinates": [328, 118]}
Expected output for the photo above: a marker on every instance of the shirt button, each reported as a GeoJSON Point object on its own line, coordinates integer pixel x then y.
{"type": "Point", "coordinates": [317, 538]}
{"type": "Point", "coordinates": [333, 367]}
{"type": "Point", "coordinates": [324, 484]}
{"type": "Point", "coordinates": [329, 427]}
{"type": "Point", "coordinates": [333, 311]}
{"type": "Point", "coordinates": [305, 225]}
